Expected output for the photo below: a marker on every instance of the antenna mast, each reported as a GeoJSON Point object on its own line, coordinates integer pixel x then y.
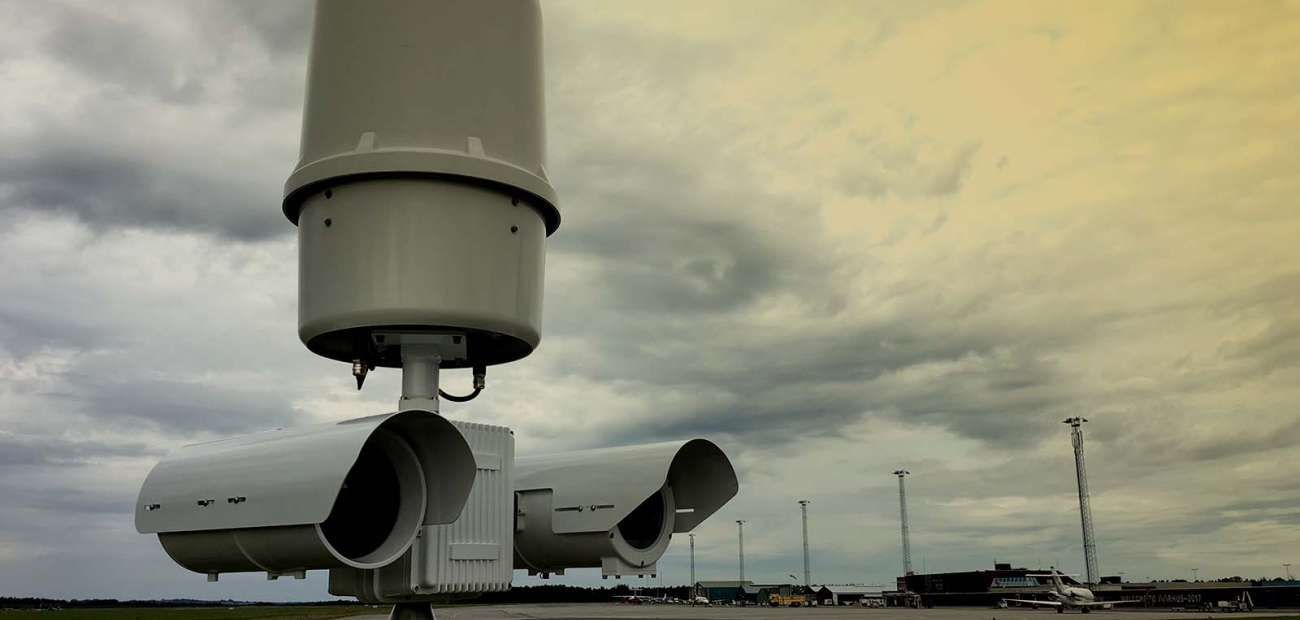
{"type": "Point", "coordinates": [1085, 505]}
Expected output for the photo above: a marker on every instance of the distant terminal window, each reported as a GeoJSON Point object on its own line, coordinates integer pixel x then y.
{"type": "Point", "coordinates": [1015, 582]}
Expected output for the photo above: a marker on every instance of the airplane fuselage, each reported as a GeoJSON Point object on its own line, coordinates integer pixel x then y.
{"type": "Point", "coordinates": [1074, 596]}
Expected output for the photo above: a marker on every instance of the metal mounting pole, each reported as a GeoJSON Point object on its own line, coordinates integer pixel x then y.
{"type": "Point", "coordinates": [902, 513]}
{"type": "Point", "coordinates": [411, 611]}
{"type": "Point", "coordinates": [807, 567]}
{"type": "Point", "coordinates": [692, 536]}
{"type": "Point", "coordinates": [741, 523]}
{"type": "Point", "coordinates": [1085, 503]}
{"type": "Point", "coordinates": [419, 377]}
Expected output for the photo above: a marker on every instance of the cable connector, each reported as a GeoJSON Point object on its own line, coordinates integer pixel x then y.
{"type": "Point", "coordinates": [480, 381]}
{"type": "Point", "coordinates": [359, 370]}
{"type": "Point", "coordinates": [480, 377]}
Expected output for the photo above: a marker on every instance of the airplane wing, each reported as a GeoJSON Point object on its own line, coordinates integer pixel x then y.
{"type": "Point", "coordinates": [1100, 603]}
{"type": "Point", "coordinates": [1048, 603]}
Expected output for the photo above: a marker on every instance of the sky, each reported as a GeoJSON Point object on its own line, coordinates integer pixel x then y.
{"type": "Point", "coordinates": [836, 238]}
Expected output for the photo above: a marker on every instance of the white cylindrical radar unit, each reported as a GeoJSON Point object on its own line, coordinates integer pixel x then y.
{"type": "Point", "coordinates": [354, 493]}
{"type": "Point", "coordinates": [421, 195]}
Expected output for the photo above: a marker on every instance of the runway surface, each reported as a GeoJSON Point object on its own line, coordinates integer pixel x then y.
{"type": "Point", "coordinates": [609, 611]}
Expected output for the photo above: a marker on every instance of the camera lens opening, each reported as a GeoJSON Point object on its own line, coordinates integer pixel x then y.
{"type": "Point", "coordinates": [641, 528]}
{"type": "Point", "coordinates": [380, 506]}
{"type": "Point", "coordinates": [366, 509]}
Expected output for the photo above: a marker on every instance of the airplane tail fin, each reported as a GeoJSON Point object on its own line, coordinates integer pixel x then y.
{"type": "Point", "coordinates": [1056, 578]}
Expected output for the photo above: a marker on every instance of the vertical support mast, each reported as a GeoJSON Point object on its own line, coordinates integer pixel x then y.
{"type": "Point", "coordinates": [419, 378]}
{"type": "Point", "coordinates": [807, 569]}
{"type": "Point", "coordinates": [741, 524]}
{"type": "Point", "coordinates": [902, 514]}
{"type": "Point", "coordinates": [692, 536]}
{"type": "Point", "coordinates": [1085, 505]}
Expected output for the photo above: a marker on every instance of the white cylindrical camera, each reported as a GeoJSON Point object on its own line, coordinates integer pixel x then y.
{"type": "Point", "coordinates": [616, 508]}
{"type": "Point", "coordinates": [354, 493]}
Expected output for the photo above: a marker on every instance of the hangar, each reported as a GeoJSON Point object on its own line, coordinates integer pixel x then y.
{"type": "Point", "coordinates": [848, 595]}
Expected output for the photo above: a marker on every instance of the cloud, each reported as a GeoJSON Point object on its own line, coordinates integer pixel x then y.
{"type": "Point", "coordinates": [122, 115]}
{"type": "Point", "coordinates": [18, 450]}
{"type": "Point", "coordinates": [910, 170]}
{"type": "Point", "coordinates": [173, 406]}
{"type": "Point", "coordinates": [107, 191]}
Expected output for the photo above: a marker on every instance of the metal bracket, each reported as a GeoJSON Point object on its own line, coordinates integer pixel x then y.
{"type": "Point", "coordinates": [448, 346]}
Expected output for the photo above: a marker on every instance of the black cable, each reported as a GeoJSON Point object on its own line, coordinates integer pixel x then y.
{"type": "Point", "coordinates": [459, 399]}
{"type": "Point", "coordinates": [480, 382]}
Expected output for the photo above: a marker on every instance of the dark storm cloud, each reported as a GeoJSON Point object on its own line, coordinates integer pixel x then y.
{"type": "Point", "coordinates": [125, 54]}
{"type": "Point", "coordinates": [181, 408]}
{"type": "Point", "coordinates": [129, 55]}
{"type": "Point", "coordinates": [284, 26]}
{"type": "Point", "coordinates": [16, 450]}
{"type": "Point", "coordinates": [82, 502]}
{"type": "Point", "coordinates": [666, 240]}
{"type": "Point", "coordinates": [1171, 443]}
{"type": "Point", "coordinates": [676, 270]}
{"type": "Point", "coordinates": [1274, 347]}
{"type": "Point", "coordinates": [25, 329]}
{"type": "Point", "coordinates": [107, 189]}
{"type": "Point", "coordinates": [156, 83]}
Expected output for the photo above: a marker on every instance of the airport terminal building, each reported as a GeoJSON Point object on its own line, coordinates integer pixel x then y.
{"type": "Point", "coordinates": [987, 587]}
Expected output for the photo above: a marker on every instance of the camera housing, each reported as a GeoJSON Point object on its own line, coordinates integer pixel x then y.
{"type": "Point", "coordinates": [615, 508]}
{"type": "Point", "coordinates": [352, 493]}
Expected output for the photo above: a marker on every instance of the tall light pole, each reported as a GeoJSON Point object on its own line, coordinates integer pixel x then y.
{"type": "Point", "coordinates": [1194, 575]}
{"type": "Point", "coordinates": [1288, 571]}
{"type": "Point", "coordinates": [807, 568]}
{"type": "Point", "coordinates": [1085, 505]}
{"type": "Point", "coordinates": [902, 514]}
{"type": "Point", "coordinates": [741, 524]}
{"type": "Point", "coordinates": [692, 560]}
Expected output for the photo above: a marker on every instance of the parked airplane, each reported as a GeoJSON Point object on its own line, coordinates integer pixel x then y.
{"type": "Point", "coordinates": [1068, 597]}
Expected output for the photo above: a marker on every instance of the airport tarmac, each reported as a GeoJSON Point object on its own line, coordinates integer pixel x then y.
{"type": "Point", "coordinates": [611, 611]}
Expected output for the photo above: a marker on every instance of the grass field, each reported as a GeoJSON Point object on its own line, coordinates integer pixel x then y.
{"type": "Point", "coordinates": [193, 613]}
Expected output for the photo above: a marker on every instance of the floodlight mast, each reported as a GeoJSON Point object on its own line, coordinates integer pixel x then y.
{"type": "Point", "coordinates": [807, 567]}
{"type": "Point", "coordinates": [692, 537]}
{"type": "Point", "coordinates": [1085, 503]}
{"type": "Point", "coordinates": [740, 523]}
{"type": "Point", "coordinates": [902, 514]}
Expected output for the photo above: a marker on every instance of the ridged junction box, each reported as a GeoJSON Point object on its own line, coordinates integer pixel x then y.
{"type": "Point", "coordinates": [471, 555]}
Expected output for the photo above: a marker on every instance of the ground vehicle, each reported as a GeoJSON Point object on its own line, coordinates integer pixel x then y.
{"type": "Point", "coordinates": [1241, 603]}
{"type": "Point", "coordinates": [793, 600]}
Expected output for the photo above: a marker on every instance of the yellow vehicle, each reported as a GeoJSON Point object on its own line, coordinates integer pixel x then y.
{"type": "Point", "coordinates": [794, 600]}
